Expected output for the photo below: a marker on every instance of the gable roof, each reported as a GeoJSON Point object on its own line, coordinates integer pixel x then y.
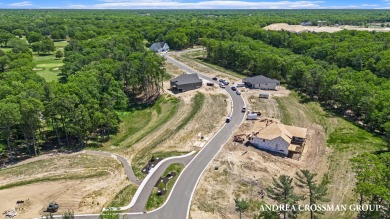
{"type": "Point", "coordinates": [260, 79]}
{"type": "Point", "coordinates": [157, 46]}
{"type": "Point", "coordinates": [286, 132]}
{"type": "Point", "coordinates": [186, 79]}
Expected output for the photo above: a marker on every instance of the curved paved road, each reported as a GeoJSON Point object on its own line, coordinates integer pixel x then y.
{"type": "Point", "coordinates": [128, 170]}
{"type": "Point", "coordinates": [179, 200]}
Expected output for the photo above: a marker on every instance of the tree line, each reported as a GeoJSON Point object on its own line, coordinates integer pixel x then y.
{"type": "Point", "coordinates": [99, 77]}
{"type": "Point", "coordinates": [361, 94]}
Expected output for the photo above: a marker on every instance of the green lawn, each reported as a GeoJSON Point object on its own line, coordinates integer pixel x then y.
{"type": "Point", "coordinates": [47, 66]}
{"type": "Point", "coordinates": [137, 124]}
{"type": "Point", "coordinates": [142, 157]}
{"type": "Point", "coordinates": [124, 197]}
{"type": "Point", "coordinates": [156, 201]}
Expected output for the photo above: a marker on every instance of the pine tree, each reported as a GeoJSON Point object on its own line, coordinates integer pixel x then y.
{"type": "Point", "coordinates": [317, 192]}
{"type": "Point", "coordinates": [282, 191]}
{"type": "Point", "coordinates": [241, 205]}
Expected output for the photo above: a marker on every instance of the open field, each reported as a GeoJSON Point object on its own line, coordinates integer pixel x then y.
{"type": "Point", "coordinates": [123, 198]}
{"type": "Point", "coordinates": [48, 66]}
{"type": "Point", "coordinates": [139, 123]}
{"type": "Point", "coordinates": [75, 181]}
{"type": "Point", "coordinates": [300, 28]}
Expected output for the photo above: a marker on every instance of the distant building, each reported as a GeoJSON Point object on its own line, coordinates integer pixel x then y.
{"type": "Point", "coordinates": [279, 138]}
{"type": "Point", "coordinates": [159, 47]}
{"type": "Point", "coordinates": [261, 82]}
{"type": "Point", "coordinates": [186, 82]}
{"type": "Point", "coordinates": [306, 23]}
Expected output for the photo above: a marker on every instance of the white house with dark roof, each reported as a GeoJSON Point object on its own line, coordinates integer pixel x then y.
{"type": "Point", "coordinates": [159, 47]}
{"type": "Point", "coordinates": [261, 82]}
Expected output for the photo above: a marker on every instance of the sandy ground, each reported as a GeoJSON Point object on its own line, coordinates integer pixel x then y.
{"type": "Point", "coordinates": [243, 171]}
{"type": "Point", "coordinates": [80, 196]}
{"type": "Point", "coordinates": [300, 28]}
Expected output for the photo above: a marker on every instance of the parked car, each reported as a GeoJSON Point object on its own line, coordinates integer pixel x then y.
{"type": "Point", "coordinates": [222, 85]}
{"type": "Point", "coordinates": [210, 84]}
{"type": "Point", "coordinates": [234, 88]}
{"type": "Point", "coordinates": [221, 80]}
{"type": "Point", "coordinates": [226, 82]}
{"type": "Point", "coordinates": [228, 119]}
{"type": "Point", "coordinates": [238, 92]}
{"type": "Point", "coordinates": [240, 85]}
{"type": "Point", "coordinates": [215, 78]}
{"type": "Point", "coordinates": [243, 109]}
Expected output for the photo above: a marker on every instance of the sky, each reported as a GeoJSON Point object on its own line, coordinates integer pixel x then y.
{"type": "Point", "coordinates": [195, 4]}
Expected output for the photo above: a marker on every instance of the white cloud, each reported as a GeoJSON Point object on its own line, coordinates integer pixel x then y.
{"type": "Point", "coordinates": [212, 4]}
{"type": "Point", "coordinates": [369, 5]}
{"type": "Point", "coordinates": [20, 4]}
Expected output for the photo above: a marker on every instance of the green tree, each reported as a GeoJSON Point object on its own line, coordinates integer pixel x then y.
{"type": "Point", "coordinates": [18, 32]}
{"type": "Point", "coordinates": [33, 37]}
{"type": "Point", "coordinates": [282, 191]}
{"type": "Point", "coordinates": [9, 119]}
{"type": "Point", "coordinates": [372, 182]}
{"type": "Point", "coordinates": [241, 205]}
{"type": "Point", "coordinates": [5, 37]}
{"type": "Point", "coordinates": [265, 213]}
{"type": "Point", "coordinates": [59, 54]}
{"type": "Point", "coordinates": [317, 192]}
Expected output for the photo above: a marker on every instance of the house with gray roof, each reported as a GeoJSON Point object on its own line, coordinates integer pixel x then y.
{"type": "Point", "coordinates": [159, 47]}
{"type": "Point", "coordinates": [261, 82]}
{"type": "Point", "coordinates": [186, 82]}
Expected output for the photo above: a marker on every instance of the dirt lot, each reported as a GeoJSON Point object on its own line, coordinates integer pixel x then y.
{"type": "Point", "coordinates": [74, 193]}
{"type": "Point", "coordinates": [244, 171]}
{"type": "Point", "coordinates": [300, 28]}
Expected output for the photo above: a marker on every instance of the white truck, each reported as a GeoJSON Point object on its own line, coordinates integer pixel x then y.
{"type": "Point", "coordinates": [251, 116]}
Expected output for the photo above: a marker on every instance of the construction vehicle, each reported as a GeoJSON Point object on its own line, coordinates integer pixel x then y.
{"type": "Point", "coordinates": [53, 207]}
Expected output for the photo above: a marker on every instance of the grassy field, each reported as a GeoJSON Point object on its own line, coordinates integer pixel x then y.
{"type": "Point", "coordinates": [57, 168]}
{"type": "Point", "coordinates": [156, 201]}
{"type": "Point", "coordinates": [141, 158]}
{"type": "Point", "coordinates": [71, 176]}
{"type": "Point", "coordinates": [124, 197]}
{"type": "Point", "coordinates": [137, 124]}
{"type": "Point", "coordinates": [48, 66]}
{"type": "Point", "coordinates": [197, 57]}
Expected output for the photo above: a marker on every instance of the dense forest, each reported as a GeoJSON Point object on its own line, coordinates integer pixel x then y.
{"type": "Point", "coordinates": [108, 68]}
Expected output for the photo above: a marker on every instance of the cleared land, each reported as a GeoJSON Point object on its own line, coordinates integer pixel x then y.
{"type": "Point", "coordinates": [300, 28]}
{"type": "Point", "coordinates": [74, 181]}
{"type": "Point", "coordinates": [245, 171]}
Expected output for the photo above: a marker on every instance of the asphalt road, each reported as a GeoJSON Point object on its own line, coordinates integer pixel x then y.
{"type": "Point", "coordinates": [178, 204]}
{"type": "Point", "coordinates": [128, 170]}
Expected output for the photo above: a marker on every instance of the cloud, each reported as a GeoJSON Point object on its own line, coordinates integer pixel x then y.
{"type": "Point", "coordinates": [369, 5]}
{"type": "Point", "coordinates": [20, 4]}
{"type": "Point", "coordinates": [212, 4]}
